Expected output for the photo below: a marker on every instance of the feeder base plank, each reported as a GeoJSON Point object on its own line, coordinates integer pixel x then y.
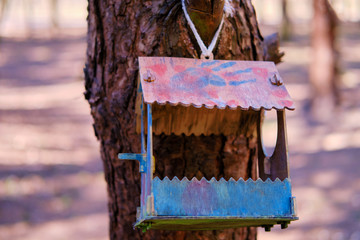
{"type": "Point", "coordinates": [183, 223]}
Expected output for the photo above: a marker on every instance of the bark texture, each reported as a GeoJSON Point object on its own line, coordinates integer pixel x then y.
{"type": "Point", "coordinates": [119, 32]}
{"type": "Point", "coordinates": [324, 65]}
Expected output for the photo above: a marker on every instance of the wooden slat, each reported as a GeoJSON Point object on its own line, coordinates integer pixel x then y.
{"type": "Point", "coordinates": [177, 120]}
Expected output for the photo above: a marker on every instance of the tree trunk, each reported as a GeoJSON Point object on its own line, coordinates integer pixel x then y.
{"type": "Point", "coordinates": [3, 5]}
{"type": "Point", "coordinates": [54, 9]}
{"type": "Point", "coordinates": [285, 23]}
{"type": "Point", "coordinates": [119, 32]}
{"type": "Point", "coordinates": [324, 64]}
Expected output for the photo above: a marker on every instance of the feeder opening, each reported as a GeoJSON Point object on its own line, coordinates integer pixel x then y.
{"type": "Point", "coordinates": [269, 131]}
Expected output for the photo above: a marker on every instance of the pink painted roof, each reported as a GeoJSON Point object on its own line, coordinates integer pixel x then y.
{"type": "Point", "coordinates": [212, 83]}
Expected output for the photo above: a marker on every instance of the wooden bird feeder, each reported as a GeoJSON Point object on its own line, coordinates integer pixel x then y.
{"type": "Point", "coordinates": [211, 97]}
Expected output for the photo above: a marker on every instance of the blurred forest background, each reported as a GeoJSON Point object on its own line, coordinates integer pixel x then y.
{"type": "Point", "coordinates": [51, 180]}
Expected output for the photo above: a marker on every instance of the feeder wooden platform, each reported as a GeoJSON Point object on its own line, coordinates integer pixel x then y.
{"type": "Point", "coordinates": [196, 223]}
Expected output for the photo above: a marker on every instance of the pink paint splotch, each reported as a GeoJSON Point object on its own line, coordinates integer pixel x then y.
{"type": "Point", "coordinates": [159, 69]}
{"type": "Point", "coordinates": [262, 72]}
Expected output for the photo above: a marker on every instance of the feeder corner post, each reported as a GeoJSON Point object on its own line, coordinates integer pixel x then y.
{"type": "Point", "coordinates": [150, 165]}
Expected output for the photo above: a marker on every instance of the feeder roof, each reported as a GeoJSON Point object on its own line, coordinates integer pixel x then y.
{"type": "Point", "coordinates": [213, 83]}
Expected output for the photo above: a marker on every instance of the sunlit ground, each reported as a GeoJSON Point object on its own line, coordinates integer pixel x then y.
{"type": "Point", "coordinates": [51, 180]}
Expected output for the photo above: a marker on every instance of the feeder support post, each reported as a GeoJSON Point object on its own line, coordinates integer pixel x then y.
{"type": "Point", "coordinates": [150, 165]}
{"type": "Point", "coordinates": [143, 151]}
{"type": "Point", "coordinates": [279, 160]}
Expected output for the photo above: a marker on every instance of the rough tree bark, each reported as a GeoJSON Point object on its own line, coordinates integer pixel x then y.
{"type": "Point", "coordinates": [119, 32]}
{"type": "Point", "coordinates": [324, 64]}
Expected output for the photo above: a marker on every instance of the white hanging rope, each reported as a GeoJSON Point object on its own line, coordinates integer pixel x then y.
{"type": "Point", "coordinates": [228, 9]}
{"type": "Point", "coordinates": [206, 52]}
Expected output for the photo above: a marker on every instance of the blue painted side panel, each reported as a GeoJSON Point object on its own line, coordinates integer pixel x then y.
{"type": "Point", "coordinates": [222, 198]}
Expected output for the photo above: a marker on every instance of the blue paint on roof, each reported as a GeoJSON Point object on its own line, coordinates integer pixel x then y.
{"type": "Point", "coordinates": [223, 66]}
{"type": "Point", "coordinates": [231, 74]}
{"type": "Point", "coordinates": [213, 80]}
{"type": "Point", "coordinates": [237, 83]}
{"type": "Point", "coordinates": [210, 63]}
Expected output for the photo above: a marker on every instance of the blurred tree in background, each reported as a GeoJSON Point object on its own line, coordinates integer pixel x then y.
{"type": "Point", "coordinates": [324, 60]}
{"type": "Point", "coordinates": [3, 5]}
{"type": "Point", "coordinates": [286, 22]}
{"type": "Point", "coordinates": [54, 6]}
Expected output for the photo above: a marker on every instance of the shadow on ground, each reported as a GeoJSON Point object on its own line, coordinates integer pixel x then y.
{"type": "Point", "coordinates": [51, 179]}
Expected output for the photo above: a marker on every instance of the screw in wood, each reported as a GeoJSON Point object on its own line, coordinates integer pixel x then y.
{"type": "Point", "coordinates": [275, 80]}
{"type": "Point", "coordinates": [148, 76]}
